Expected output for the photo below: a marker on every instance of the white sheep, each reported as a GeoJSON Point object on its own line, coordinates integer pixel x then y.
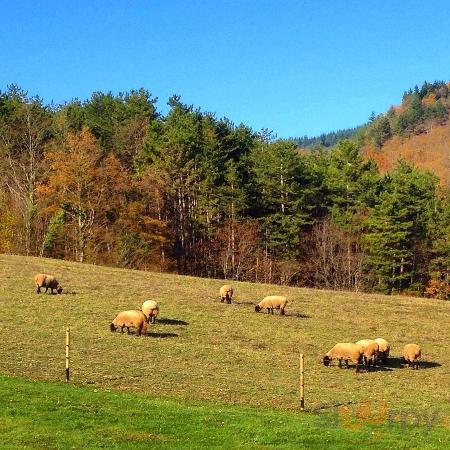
{"type": "Point", "coordinates": [226, 293]}
{"type": "Point", "coordinates": [130, 319]}
{"type": "Point", "coordinates": [151, 309]}
{"type": "Point", "coordinates": [272, 302]}
{"type": "Point", "coordinates": [346, 351]}
{"type": "Point", "coordinates": [411, 354]}
{"type": "Point", "coordinates": [43, 280]}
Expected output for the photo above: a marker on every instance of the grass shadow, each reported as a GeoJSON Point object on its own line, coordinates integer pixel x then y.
{"type": "Point", "coordinates": [167, 321]}
{"type": "Point", "coordinates": [162, 335]}
{"type": "Point", "coordinates": [300, 315]}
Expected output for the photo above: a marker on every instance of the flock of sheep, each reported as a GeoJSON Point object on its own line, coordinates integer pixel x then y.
{"type": "Point", "coordinates": [367, 351]}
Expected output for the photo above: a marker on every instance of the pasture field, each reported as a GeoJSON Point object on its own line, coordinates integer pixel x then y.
{"type": "Point", "coordinates": [202, 350]}
{"type": "Point", "coordinates": [42, 414]}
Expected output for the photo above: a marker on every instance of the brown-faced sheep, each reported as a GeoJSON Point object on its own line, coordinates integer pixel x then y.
{"type": "Point", "coordinates": [130, 319]}
{"type": "Point", "coordinates": [346, 351]}
{"type": "Point", "coordinates": [226, 293]}
{"type": "Point", "coordinates": [272, 302]}
{"type": "Point", "coordinates": [411, 354]}
{"type": "Point", "coordinates": [383, 350]}
{"type": "Point", "coordinates": [370, 351]}
{"type": "Point", "coordinates": [43, 280]}
{"type": "Point", "coordinates": [151, 309]}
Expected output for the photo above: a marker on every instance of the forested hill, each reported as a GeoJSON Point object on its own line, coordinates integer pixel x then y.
{"type": "Point", "coordinates": [113, 181]}
{"type": "Point", "coordinates": [329, 139]}
{"type": "Point", "coordinates": [417, 130]}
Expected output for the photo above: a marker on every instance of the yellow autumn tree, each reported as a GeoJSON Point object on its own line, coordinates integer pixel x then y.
{"type": "Point", "coordinates": [74, 186]}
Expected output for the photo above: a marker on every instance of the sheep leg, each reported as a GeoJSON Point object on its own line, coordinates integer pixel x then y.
{"type": "Point", "coordinates": [282, 311]}
{"type": "Point", "coordinates": [38, 290]}
{"type": "Point", "coordinates": [46, 289]}
{"type": "Point", "coordinates": [121, 328]}
{"type": "Point", "coordinates": [128, 330]}
{"type": "Point", "coordinates": [271, 310]}
{"type": "Point", "coordinates": [340, 363]}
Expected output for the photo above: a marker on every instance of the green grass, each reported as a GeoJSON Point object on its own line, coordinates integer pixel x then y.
{"type": "Point", "coordinates": [53, 415]}
{"type": "Point", "coordinates": [205, 351]}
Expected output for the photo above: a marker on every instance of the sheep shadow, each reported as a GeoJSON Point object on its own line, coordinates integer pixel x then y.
{"type": "Point", "coordinates": [398, 363]}
{"type": "Point", "coordinates": [376, 369]}
{"type": "Point", "coordinates": [162, 335]}
{"type": "Point", "coordinates": [167, 321]}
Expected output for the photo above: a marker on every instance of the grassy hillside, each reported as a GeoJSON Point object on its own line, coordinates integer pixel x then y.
{"type": "Point", "coordinates": [201, 349]}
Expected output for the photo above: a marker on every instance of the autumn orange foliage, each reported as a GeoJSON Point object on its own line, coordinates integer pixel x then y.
{"type": "Point", "coordinates": [429, 150]}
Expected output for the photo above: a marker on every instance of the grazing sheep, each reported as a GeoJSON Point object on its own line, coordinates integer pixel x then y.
{"type": "Point", "coordinates": [411, 354]}
{"type": "Point", "coordinates": [383, 350]}
{"type": "Point", "coordinates": [272, 302]}
{"type": "Point", "coordinates": [130, 319]}
{"type": "Point", "coordinates": [226, 292]}
{"type": "Point", "coordinates": [43, 280]}
{"type": "Point", "coordinates": [370, 351]}
{"type": "Point", "coordinates": [346, 351]}
{"type": "Point", "coordinates": [151, 309]}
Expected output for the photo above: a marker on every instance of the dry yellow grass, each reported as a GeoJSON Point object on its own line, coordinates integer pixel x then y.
{"type": "Point", "coordinates": [206, 350]}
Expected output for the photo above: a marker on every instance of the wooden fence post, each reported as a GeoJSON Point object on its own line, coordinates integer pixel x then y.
{"type": "Point", "coordinates": [67, 354]}
{"type": "Point", "coordinates": [302, 383]}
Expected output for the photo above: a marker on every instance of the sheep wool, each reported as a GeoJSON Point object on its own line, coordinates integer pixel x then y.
{"type": "Point", "coordinates": [151, 309]}
{"type": "Point", "coordinates": [130, 319]}
{"type": "Point", "coordinates": [383, 349]}
{"type": "Point", "coordinates": [44, 280]}
{"type": "Point", "coordinates": [370, 351]}
{"type": "Point", "coordinates": [226, 293]}
{"type": "Point", "coordinates": [345, 351]}
{"type": "Point", "coordinates": [272, 302]}
{"type": "Point", "coordinates": [411, 354]}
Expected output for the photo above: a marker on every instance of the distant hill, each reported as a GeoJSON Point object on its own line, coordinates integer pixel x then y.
{"type": "Point", "coordinates": [329, 139]}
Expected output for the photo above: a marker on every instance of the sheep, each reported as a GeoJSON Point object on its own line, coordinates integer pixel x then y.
{"type": "Point", "coordinates": [411, 354]}
{"type": "Point", "coordinates": [130, 319]}
{"type": "Point", "coordinates": [151, 309]}
{"type": "Point", "coordinates": [345, 351]}
{"type": "Point", "coordinates": [48, 281]}
{"type": "Point", "coordinates": [383, 349]}
{"type": "Point", "coordinates": [272, 302]}
{"type": "Point", "coordinates": [370, 351]}
{"type": "Point", "coordinates": [226, 292]}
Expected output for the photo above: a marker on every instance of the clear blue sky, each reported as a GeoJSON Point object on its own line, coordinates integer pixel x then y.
{"type": "Point", "coordinates": [295, 67]}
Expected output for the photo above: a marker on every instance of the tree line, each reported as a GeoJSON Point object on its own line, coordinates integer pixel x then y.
{"type": "Point", "coordinates": [111, 180]}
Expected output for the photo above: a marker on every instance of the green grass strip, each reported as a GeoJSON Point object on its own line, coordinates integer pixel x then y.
{"type": "Point", "coordinates": [37, 414]}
